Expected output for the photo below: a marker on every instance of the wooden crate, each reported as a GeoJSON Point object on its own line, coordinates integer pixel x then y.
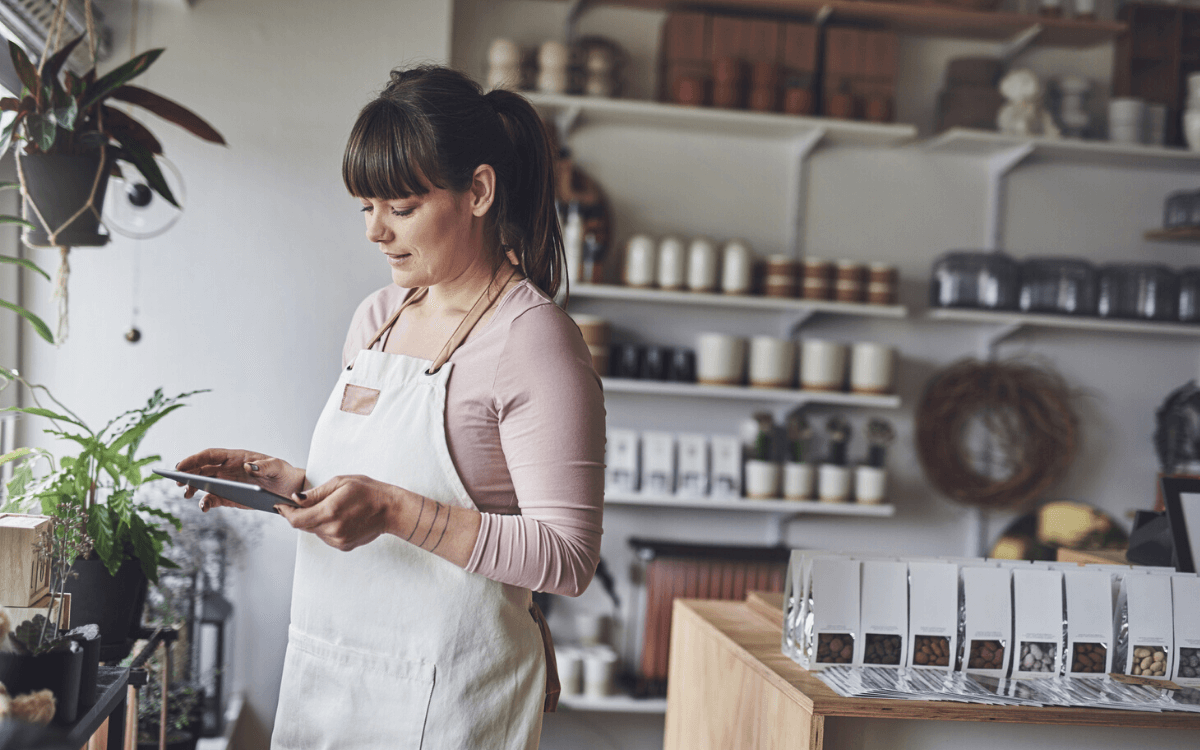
{"type": "Point", "coordinates": [24, 575]}
{"type": "Point", "coordinates": [42, 607]}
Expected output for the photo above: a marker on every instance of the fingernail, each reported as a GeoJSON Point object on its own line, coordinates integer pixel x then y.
{"type": "Point", "coordinates": [252, 467]}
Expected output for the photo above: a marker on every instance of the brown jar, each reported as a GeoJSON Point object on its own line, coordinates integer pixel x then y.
{"type": "Point", "coordinates": [818, 279]}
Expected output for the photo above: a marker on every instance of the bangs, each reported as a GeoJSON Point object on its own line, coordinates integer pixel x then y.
{"type": "Point", "coordinates": [387, 156]}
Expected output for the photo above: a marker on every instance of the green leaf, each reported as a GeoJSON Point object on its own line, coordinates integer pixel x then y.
{"type": "Point", "coordinates": [21, 478]}
{"type": "Point", "coordinates": [126, 129]}
{"type": "Point", "coordinates": [55, 62]}
{"type": "Point", "coordinates": [120, 504]}
{"type": "Point", "coordinates": [138, 430]}
{"type": "Point", "coordinates": [27, 264]}
{"type": "Point", "coordinates": [118, 77]}
{"type": "Point", "coordinates": [143, 548]}
{"type": "Point", "coordinates": [38, 324]}
{"type": "Point", "coordinates": [169, 111]}
{"type": "Point", "coordinates": [42, 130]}
{"type": "Point", "coordinates": [9, 131]}
{"type": "Point", "coordinates": [143, 160]}
{"type": "Point", "coordinates": [40, 412]}
{"type": "Point", "coordinates": [14, 455]}
{"type": "Point", "coordinates": [4, 219]}
{"type": "Point", "coordinates": [100, 529]}
{"type": "Point", "coordinates": [168, 517]}
{"type": "Point", "coordinates": [25, 69]}
{"type": "Point", "coordinates": [65, 115]}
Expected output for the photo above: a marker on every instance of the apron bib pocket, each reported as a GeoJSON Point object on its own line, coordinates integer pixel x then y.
{"type": "Point", "coordinates": [353, 698]}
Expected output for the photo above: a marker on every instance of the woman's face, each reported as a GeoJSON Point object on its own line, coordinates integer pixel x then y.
{"type": "Point", "coordinates": [429, 239]}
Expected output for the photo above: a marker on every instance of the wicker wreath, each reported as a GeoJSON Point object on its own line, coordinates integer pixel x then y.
{"type": "Point", "coordinates": [995, 434]}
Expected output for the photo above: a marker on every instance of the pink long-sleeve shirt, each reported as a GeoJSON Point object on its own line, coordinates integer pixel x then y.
{"type": "Point", "coordinates": [525, 427]}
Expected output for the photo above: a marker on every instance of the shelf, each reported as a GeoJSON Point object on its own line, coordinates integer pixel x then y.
{"type": "Point", "coordinates": [734, 301]}
{"type": "Point", "coordinates": [598, 110]}
{"type": "Point", "coordinates": [777, 506]}
{"type": "Point", "coordinates": [921, 20]}
{"type": "Point", "coordinates": [1067, 321]}
{"type": "Point", "coordinates": [790, 396]}
{"type": "Point", "coordinates": [985, 143]}
{"type": "Point", "coordinates": [620, 704]}
{"type": "Point", "coordinates": [1180, 234]}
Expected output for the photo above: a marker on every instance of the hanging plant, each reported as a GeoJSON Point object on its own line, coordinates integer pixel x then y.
{"type": "Point", "coordinates": [67, 140]}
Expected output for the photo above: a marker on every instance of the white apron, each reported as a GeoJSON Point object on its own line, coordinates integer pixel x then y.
{"type": "Point", "coordinates": [391, 646]}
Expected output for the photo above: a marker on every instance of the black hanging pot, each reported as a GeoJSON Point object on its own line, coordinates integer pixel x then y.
{"type": "Point", "coordinates": [114, 603]}
{"type": "Point", "coordinates": [58, 672]}
{"type": "Point", "coordinates": [59, 185]}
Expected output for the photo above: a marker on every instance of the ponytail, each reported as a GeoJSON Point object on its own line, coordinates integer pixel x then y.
{"type": "Point", "coordinates": [432, 127]}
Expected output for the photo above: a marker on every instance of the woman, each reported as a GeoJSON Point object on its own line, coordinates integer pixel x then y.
{"type": "Point", "coordinates": [458, 463]}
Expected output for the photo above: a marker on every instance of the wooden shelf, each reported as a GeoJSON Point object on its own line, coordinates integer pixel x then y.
{"type": "Point", "coordinates": [920, 20]}
{"type": "Point", "coordinates": [1181, 234]}
{"type": "Point", "coordinates": [986, 143]}
{"type": "Point", "coordinates": [734, 301]}
{"type": "Point", "coordinates": [734, 122]}
{"type": "Point", "coordinates": [618, 704]}
{"type": "Point", "coordinates": [777, 506]}
{"type": "Point", "coordinates": [1081, 323]}
{"type": "Point", "coordinates": [788, 396]}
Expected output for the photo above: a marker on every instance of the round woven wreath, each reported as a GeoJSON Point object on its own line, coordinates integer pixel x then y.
{"type": "Point", "coordinates": [995, 434]}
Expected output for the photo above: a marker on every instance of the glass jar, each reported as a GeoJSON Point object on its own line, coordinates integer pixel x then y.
{"type": "Point", "coordinates": [963, 278]}
{"type": "Point", "coordinates": [1146, 291]}
{"type": "Point", "coordinates": [1059, 285]}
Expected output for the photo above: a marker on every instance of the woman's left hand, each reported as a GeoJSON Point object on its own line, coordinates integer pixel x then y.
{"type": "Point", "coordinates": [345, 512]}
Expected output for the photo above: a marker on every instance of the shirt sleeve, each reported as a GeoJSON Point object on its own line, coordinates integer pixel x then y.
{"type": "Point", "coordinates": [551, 423]}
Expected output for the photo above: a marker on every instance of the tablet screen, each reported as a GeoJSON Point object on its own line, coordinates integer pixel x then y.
{"type": "Point", "coordinates": [250, 495]}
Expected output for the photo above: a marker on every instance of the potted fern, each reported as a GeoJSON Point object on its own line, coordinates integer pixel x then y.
{"type": "Point", "coordinates": [108, 583]}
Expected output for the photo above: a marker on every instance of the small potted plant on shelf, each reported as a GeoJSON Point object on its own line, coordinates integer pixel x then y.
{"type": "Point", "coordinates": [799, 477]}
{"type": "Point", "coordinates": [833, 477]}
{"type": "Point", "coordinates": [108, 582]}
{"type": "Point", "coordinates": [184, 713]}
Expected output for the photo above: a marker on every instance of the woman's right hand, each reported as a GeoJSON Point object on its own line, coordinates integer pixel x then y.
{"type": "Point", "coordinates": [272, 474]}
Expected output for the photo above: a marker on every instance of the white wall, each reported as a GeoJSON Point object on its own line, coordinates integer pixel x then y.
{"type": "Point", "coordinates": [897, 205]}
{"type": "Point", "coordinates": [250, 294]}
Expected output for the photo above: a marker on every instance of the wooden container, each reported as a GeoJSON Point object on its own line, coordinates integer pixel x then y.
{"type": "Point", "coordinates": [817, 279]}
{"type": "Point", "coordinates": [729, 83]}
{"type": "Point", "coordinates": [849, 285]}
{"type": "Point", "coordinates": [24, 574]}
{"type": "Point", "coordinates": [764, 87]}
{"type": "Point", "coordinates": [780, 278]}
{"type": "Point", "coordinates": [62, 611]}
{"type": "Point", "coordinates": [882, 280]}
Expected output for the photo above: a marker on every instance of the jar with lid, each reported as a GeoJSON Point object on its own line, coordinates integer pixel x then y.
{"type": "Point", "coordinates": [1058, 285]}
{"type": "Point", "coordinates": [1146, 291]}
{"type": "Point", "coordinates": [963, 278]}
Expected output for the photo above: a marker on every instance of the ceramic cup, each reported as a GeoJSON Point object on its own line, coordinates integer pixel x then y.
{"type": "Point", "coordinates": [720, 359]}
{"type": "Point", "coordinates": [672, 263]}
{"type": "Point", "coordinates": [737, 268]}
{"type": "Point", "coordinates": [870, 485]}
{"type": "Point", "coordinates": [772, 362]}
{"type": "Point", "coordinates": [871, 367]}
{"type": "Point", "coordinates": [822, 365]}
{"type": "Point", "coordinates": [641, 263]}
{"type": "Point", "coordinates": [798, 481]}
{"type": "Point", "coordinates": [833, 483]}
{"type": "Point", "coordinates": [599, 671]}
{"type": "Point", "coordinates": [570, 669]}
{"type": "Point", "coordinates": [1193, 84]}
{"type": "Point", "coordinates": [591, 628]}
{"type": "Point", "coordinates": [702, 265]}
{"type": "Point", "coordinates": [1191, 127]}
{"type": "Point", "coordinates": [626, 361]}
{"type": "Point", "coordinates": [1126, 120]}
{"type": "Point", "coordinates": [655, 362]}
{"type": "Point", "coordinates": [762, 479]}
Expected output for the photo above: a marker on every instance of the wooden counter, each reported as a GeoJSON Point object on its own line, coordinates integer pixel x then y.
{"type": "Point", "coordinates": [731, 687]}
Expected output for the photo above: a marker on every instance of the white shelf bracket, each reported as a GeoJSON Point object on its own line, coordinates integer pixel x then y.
{"type": "Point", "coordinates": [777, 528]}
{"type": "Point", "coordinates": [802, 149]}
{"type": "Point", "coordinates": [1013, 48]}
{"type": "Point", "coordinates": [792, 330]}
{"type": "Point", "coordinates": [998, 168]}
{"type": "Point", "coordinates": [990, 343]}
{"type": "Point", "coordinates": [565, 122]}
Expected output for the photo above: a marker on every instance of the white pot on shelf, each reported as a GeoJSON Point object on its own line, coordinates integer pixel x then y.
{"type": "Point", "coordinates": [833, 483]}
{"type": "Point", "coordinates": [762, 479]}
{"type": "Point", "coordinates": [799, 480]}
{"type": "Point", "coordinates": [1191, 126]}
{"type": "Point", "coordinates": [870, 485]}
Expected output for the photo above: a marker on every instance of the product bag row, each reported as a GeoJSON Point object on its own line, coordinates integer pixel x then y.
{"type": "Point", "coordinates": [996, 618]}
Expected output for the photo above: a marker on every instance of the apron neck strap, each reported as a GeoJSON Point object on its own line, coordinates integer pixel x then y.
{"type": "Point", "coordinates": [488, 298]}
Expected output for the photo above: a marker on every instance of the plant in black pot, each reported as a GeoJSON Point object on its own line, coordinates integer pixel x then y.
{"type": "Point", "coordinates": [108, 583]}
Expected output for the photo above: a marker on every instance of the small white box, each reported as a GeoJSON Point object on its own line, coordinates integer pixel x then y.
{"type": "Point", "coordinates": [796, 601]}
{"type": "Point", "coordinates": [1185, 592]}
{"type": "Point", "coordinates": [726, 453]}
{"type": "Point", "coordinates": [1089, 622]}
{"type": "Point", "coordinates": [658, 463]}
{"type": "Point", "coordinates": [1037, 623]}
{"type": "Point", "coordinates": [621, 459]}
{"type": "Point", "coordinates": [883, 614]}
{"type": "Point", "coordinates": [693, 466]}
{"type": "Point", "coordinates": [987, 635]}
{"type": "Point", "coordinates": [1145, 603]}
{"type": "Point", "coordinates": [933, 624]}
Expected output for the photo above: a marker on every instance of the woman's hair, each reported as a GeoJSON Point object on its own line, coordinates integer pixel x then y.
{"type": "Point", "coordinates": [432, 127]}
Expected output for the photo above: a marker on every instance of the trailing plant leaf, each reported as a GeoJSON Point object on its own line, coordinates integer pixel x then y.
{"type": "Point", "coordinates": [169, 111]}
{"type": "Point", "coordinates": [128, 130]}
{"type": "Point", "coordinates": [9, 131]}
{"type": "Point", "coordinates": [143, 160]}
{"type": "Point", "coordinates": [55, 62]}
{"type": "Point", "coordinates": [42, 130]}
{"type": "Point", "coordinates": [26, 264]}
{"type": "Point", "coordinates": [100, 529]}
{"type": "Point", "coordinates": [25, 69]}
{"type": "Point", "coordinates": [15, 220]}
{"type": "Point", "coordinates": [38, 324]}
{"type": "Point", "coordinates": [138, 431]}
{"type": "Point", "coordinates": [37, 411]}
{"type": "Point", "coordinates": [14, 455]}
{"type": "Point", "coordinates": [21, 478]}
{"type": "Point", "coordinates": [119, 77]}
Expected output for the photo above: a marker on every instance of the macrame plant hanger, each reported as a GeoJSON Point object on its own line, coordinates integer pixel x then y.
{"type": "Point", "coordinates": [53, 41]}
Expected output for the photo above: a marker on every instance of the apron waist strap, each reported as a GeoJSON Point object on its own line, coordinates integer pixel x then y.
{"type": "Point", "coordinates": [553, 686]}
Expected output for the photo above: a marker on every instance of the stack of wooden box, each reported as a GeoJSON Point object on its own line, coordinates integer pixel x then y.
{"type": "Point", "coordinates": [25, 569]}
{"type": "Point", "coordinates": [859, 81]}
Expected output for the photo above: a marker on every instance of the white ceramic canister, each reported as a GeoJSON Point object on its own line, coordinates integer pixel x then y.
{"type": "Point", "coordinates": [553, 58]}
{"type": "Point", "coordinates": [570, 669]}
{"type": "Point", "coordinates": [870, 485]}
{"type": "Point", "coordinates": [772, 362]}
{"type": "Point", "coordinates": [672, 263]}
{"type": "Point", "coordinates": [762, 479]}
{"type": "Point", "coordinates": [599, 671]}
{"type": "Point", "coordinates": [641, 263]}
{"type": "Point", "coordinates": [833, 483]}
{"type": "Point", "coordinates": [720, 359]}
{"type": "Point", "coordinates": [737, 268]}
{"type": "Point", "coordinates": [822, 365]}
{"type": "Point", "coordinates": [871, 368]}
{"type": "Point", "coordinates": [702, 265]}
{"type": "Point", "coordinates": [799, 480]}
{"type": "Point", "coordinates": [1126, 120]}
{"type": "Point", "coordinates": [591, 628]}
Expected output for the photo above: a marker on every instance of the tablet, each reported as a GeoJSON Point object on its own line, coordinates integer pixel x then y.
{"type": "Point", "coordinates": [250, 495]}
{"type": "Point", "coordinates": [1181, 496]}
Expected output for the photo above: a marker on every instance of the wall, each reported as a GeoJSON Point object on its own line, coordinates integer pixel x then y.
{"type": "Point", "coordinates": [250, 294]}
{"type": "Point", "coordinates": [899, 205]}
